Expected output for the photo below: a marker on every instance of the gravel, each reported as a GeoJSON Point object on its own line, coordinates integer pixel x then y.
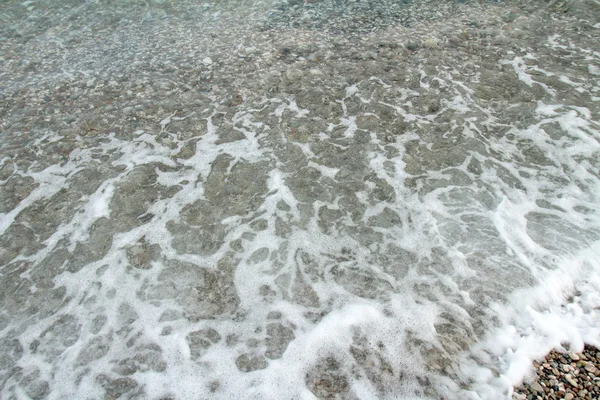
{"type": "Point", "coordinates": [356, 17]}
{"type": "Point", "coordinates": [564, 375]}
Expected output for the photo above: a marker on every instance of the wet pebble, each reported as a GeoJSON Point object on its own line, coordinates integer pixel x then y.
{"type": "Point", "coordinates": [455, 40]}
{"type": "Point", "coordinates": [430, 43]}
{"type": "Point", "coordinates": [413, 45]}
{"type": "Point", "coordinates": [564, 376]}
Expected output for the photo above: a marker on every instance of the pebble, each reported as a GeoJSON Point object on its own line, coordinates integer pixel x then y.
{"type": "Point", "coordinates": [536, 387]}
{"type": "Point", "coordinates": [590, 368]}
{"type": "Point", "coordinates": [455, 40]}
{"type": "Point", "coordinates": [500, 40]}
{"type": "Point", "coordinates": [413, 45]}
{"type": "Point", "coordinates": [431, 43]}
{"type": "Point", "coordinates": [564, 376]}
{"type": "Point", "coordinates": [571, 381]}
{"type": "Point", "coordinates": [207, 61]}
{"type": "Point", "coordinates": [247, 51]}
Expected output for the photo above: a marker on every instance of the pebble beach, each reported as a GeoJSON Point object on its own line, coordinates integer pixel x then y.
{"type": "Point", "coordinates": [564, 375]}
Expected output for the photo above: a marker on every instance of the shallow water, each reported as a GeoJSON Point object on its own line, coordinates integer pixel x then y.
{"type": "Point", "coordinates": [330, 199]}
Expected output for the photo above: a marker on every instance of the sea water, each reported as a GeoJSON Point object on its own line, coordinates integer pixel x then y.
{"type": "Point", "coordinates": [295, 200]}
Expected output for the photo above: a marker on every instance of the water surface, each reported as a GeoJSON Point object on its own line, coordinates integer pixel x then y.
{"type": "Point", "coordinates": [302, 199]}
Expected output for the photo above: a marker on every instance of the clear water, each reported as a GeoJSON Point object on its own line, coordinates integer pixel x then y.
{"type": "Point", "coordinates": [302, 199]}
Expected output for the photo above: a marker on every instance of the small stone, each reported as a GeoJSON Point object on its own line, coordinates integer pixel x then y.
{"type": "Point", "coordinates": [569, 396]}
{"type": "Point", "coordinates": [274, 315]}
{"type": "Point", "coordinates": [590, 368]}
{"type": "Point", "coordinates": [573, 356]}
{"type": "Point", "coordinates": [499, 40]}
{"type": "Point", "coordinates": [536, 387]}
{"type": "Point", "coordinates": [369, 55]}
{"type": "Point", "coordinates": [431, 43]}
{"type": "Point", "coordinates": [413, 45]}
{"type": "Point", "coordinates": [207, 61]}
{"type": "Point", "coordinates": [510, 17]}
{"type": "Point", "coordinates": [571, 381]}
{"type": "Point", "coordinates": [166, 331]}
{"type": "Point", "coordinates": [455, 40]}
{"type": "Point", "coordinates": [249, 362]}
